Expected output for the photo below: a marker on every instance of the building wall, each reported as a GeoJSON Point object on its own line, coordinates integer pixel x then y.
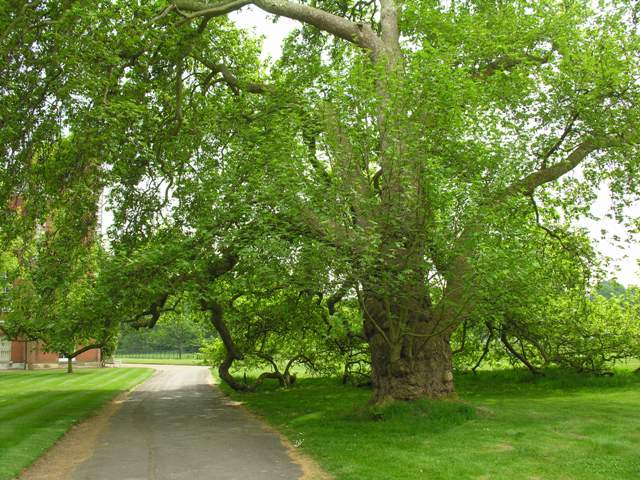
{"type": "Point", "coordinates": [5, 351]}
{"type": "Point", "coordinates": [92, 355]}
{"type": "Point", "coordinates": [37, 354]}
{"type": "Point", "coordinates": [36, 357]}
{"type": "Point", "coordinates": [18, 351]}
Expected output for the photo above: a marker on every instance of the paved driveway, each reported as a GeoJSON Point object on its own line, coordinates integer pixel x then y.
{"type": "Point", "coordinates": [175, 426]}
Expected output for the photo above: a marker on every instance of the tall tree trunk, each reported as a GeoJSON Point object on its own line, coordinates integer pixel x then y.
{"type": "Point", "coordinates": [69, 364]}
{"type": "Point", "coordinates": [411, 358]}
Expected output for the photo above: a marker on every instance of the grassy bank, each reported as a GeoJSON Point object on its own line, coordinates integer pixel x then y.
{"type": "Point", "coordinates": [37, 408]}
{"type": "Point", "coordinates": [508, 426]}
{"type": "Point", "coordinates": [159, 361]}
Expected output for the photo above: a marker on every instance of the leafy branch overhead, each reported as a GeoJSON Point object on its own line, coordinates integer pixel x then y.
{"type": "Point", "coordinates": [406, 177]}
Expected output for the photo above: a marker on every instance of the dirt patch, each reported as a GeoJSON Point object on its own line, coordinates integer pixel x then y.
{"type": "Point", "coordinates": [75, 446]}
{"type": "Point", "coordinates": [485, 412]}
{"type": "Point", "coordinates": [577, 436]}
{"type": "Point", "coordinates": [503, 447]}
{"type": "Point", "coordinates": [310, 469]}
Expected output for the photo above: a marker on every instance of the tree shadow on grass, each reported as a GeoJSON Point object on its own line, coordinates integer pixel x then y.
{"type": "Point", "coordinates": [520, 383]}
{"type": "Point", "coordinates": [314, 401]}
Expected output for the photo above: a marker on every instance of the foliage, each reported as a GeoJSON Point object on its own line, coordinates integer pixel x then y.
{"type": "Point", "coordinates": [425, 161]}
{"type": "Point", "coordinates": [180, 331]}
{"type": "Point", "coordinates": [610, 288]}
{"type": "Point", "coordinates": [279, 335]}
{"type": "Point", "coordinates": [63, 311]}
{"type": "Point", "coordinates": [541, 309]}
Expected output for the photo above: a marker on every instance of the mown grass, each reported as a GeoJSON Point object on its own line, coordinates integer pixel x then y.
{"type": "Point", "coordinates": [38, 407]}
{"type": "Point", "coordinates": [160, 361]}
{"type": "Point", "coordinates": [508, 425]}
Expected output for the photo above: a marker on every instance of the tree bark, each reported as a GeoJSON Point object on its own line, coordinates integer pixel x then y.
{"type": "Point", "coordinates": [69, 364]}
{"type": "Point", "coordinates": [411, 357]}
{"type": "Point", "coordinates": [426, 374]}
{"type": "Point", "coordinates": [233, 353]}
{"type": "Point", "coordinates": [504, 337]}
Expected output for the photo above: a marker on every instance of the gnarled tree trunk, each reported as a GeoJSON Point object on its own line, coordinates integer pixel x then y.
{"type": "Point", "coordinates": [410, 376]}
{"type": "Point", "coordinates": [411, 357]}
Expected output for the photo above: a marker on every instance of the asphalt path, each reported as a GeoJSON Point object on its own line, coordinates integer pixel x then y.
{"type": "Point", "coordinates": [177, 426]}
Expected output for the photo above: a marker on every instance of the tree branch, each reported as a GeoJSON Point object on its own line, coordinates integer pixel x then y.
{"type": "Point", "coordinates": [548, 174]}
{"type": "Point", "coordinates": [230, 79]}
{"type": "Point", "coordinates": [84, 349]}
{"type": "Point", "coordinates": [389, 25]}
{"type": "Point", "coordinates": [528, 184]}
{"type": "Point", "coordinates": [559, 142]}
{"type": "Point", "coordinates": [155, 310]}
{"type": "Point", "coordinates": [356, 33]}
{"type": "Point", "coordinates": [232, 351]}
{"type": "Point", "coordinates": [338, 296]}
{"type": "Point", "coordinates": [506, 63]}
{"type": "Point", "coordinates": [520, 356]}
{"type": "Point", "coordinates": [163, 14]}
{"type": "Point", "coordinates": [463, 340]}
{"type": "Point", "coordinates": [201, 9]}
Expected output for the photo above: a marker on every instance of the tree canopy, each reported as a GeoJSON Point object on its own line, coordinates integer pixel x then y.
{"type": "Point", "coordinates": [421, 162]}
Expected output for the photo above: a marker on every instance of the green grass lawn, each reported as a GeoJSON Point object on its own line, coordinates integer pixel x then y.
{"type": "Point", "coordinates": [38, 407]}
{"type": "Point", "coordinates": [507, 426]}
{"type": "Point", "coordinates": [160, 361]}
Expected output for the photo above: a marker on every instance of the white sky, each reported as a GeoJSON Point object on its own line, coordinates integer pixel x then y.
{"type": "Point", "coordinates": [261, 23]}
{"type": "Point", "coordinates": [624, 256]}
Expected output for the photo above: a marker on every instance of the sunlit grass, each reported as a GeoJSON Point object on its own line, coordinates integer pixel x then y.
{"type": "Point", "coordinates": [37, 408]}
{"type": "Point", "coordinates": [160, 361]}
{"type": "Point", "coordinates": [507, 425]}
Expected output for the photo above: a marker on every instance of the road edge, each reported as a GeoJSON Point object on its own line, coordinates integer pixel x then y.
{"type": "Point", "coordinates": [76, 445]}
{"type": "Point", "coordinates": [311, 469]}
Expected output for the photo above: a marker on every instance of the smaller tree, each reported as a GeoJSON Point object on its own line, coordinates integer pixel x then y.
{"type": "Point", "coordinates": [69, 317]}
{"type": "Point", "coordinates": [180, 331]}
{"type": "Point", "coordinates": [610, 288]}
{"type": "Point", "coordinates": [542, 305]}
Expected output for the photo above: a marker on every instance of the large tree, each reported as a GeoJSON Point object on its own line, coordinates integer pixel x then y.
{"type": "Point", "coordinates": [405, 140]}
{"type": "Point", "coordinates": [440, 121]}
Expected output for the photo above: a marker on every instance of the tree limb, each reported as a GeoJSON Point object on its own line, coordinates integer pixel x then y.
{"type": "Point", "coordinates": [201, 9]}
{"type": "Point", "coordinates": [230, 79]}
{"type": "Point", "coordinates": [232, 351]}
{"type": "Point", "coordinates": [505, 341]}
{"type": "Point", "coordinates": [163, 14]}
{"type": "Point", "coordinates": [356, 33]}
{"type": "Point", "coordinates": [561, 139]}
{"type": "Point", "coordinates": [83, 349]}
{"type": "Point", "coordinates": [544, 175]}
{"type": "Point", "coordinates": [485, 351]}
{"type": "Point", "coordinates": [507, 62]}
{"type": "Point", "coordinates": [462, 341]}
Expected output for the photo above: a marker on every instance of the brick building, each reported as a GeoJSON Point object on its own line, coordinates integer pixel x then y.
{"type": "Point", "coordinates": [16, 354]}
